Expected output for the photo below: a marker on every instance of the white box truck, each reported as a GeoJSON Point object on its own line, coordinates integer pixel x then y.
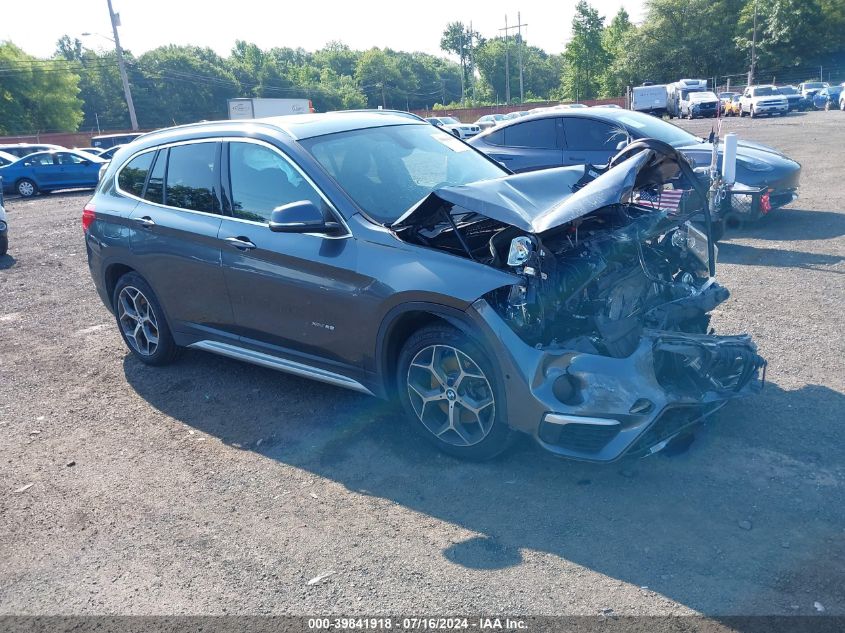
{"type": "Point", "coordinates": [257, 108]}
{"type": "Point", "coordinates": [649, 99]}
{"type": "Point", "coordinates": [679, 93]}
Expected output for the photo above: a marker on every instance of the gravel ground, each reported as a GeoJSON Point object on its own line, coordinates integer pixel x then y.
{"type": "Point", "coordinates": [213, 487]}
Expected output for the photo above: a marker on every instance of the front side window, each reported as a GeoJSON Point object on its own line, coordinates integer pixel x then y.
{"type": "Point", "coordinates": [262, 180]}
{"type": "Point", "coordinates": [537, 134]}
{"type": "Point", "coordinates": [386, 170]}
{"type": "Point", "coordinates": [66, 158]}
{"type": "Point", "coordinates": [133, 175]}
{"type": "Point", "coordinates": [192, 177]}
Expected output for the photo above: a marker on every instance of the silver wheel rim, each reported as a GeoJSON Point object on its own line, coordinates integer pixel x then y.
{"type": "Point", "coordinates": [137, 321]}
{"type": "Point", "coordinates": [451, 396]}
{"type": "Point", "coordinates": [26, 189]}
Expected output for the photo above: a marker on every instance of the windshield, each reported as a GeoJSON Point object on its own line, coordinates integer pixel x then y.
{"type": "Point", "coordinates": [787, 90]}
{"type": "Point", "coordinates": [386, 170]}
{"type": "Point", "coordinates": [764, 91]}
{"type": "Point", "coordinates": [646, 126]}
{"type": "Point", "coordinates": [702, 96]}
{"type": "Point", "coordinates": [814, 84]}
{"type": "Point", "coordinates": [449, 120]}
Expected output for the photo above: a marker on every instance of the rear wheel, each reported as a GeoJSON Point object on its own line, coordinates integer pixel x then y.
{"type": "Point", "coordinates": [26, 188]}
{"type": "Point", "coordinates": [4, 244]}
{"type": "Point", "coordinates": [448, 389]}
{"type": "Point", "coordinates": [141, 321]}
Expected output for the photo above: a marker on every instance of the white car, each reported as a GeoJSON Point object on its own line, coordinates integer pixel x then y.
{"type": "Point", "coordinates": [757, 100]}
{"type": "Point", "coordinates": [453, 126]}
{"type": "Point", "coordinates": [4, 228]}
{"type": "Point", "coordinates": [490, 120]}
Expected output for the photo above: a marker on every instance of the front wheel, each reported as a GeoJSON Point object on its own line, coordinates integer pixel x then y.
{"type": "Point", "coordinates": [4, 244]}
{"type": "Point", "coordinates": [827, 106]}
{"type": "Point", "coordinates": [141, 321]}
{"type": "Point", "coordinates": [26, 188]}
{"type": "Point", "coordinates": [449, 391]}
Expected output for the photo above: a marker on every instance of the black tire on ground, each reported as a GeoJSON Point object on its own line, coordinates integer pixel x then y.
{"type": "Point", "coordinates": [4, 244]}
{"type": "Point", "coordinates": [435, 343]}
{"type": "Point", "coordinates": [26, 188]}
{"type": "Point", "coordinates": [717, 230]}
{"type": "Point", "coordinates": [732, 221]}
{"type": "Point", "coordinates": [165, 350]}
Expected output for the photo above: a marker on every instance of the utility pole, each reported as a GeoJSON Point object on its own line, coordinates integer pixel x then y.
{"type": "Point", "coordinates": [507, 64]}
{"type": "Point", "coordinates": [518, 26]}
{"type": "Point", "coordinates": [472, 62]}
{"type": "Point", "coordinates": [463, 71]}
{"type": "Point", "coordinates": [753, 70]}
{"type": "Point", "coordinates": [115, 22]}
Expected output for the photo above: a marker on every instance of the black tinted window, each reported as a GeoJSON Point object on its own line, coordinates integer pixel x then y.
{"type": "Point", "coordinates": [192, 177]}
{"type": "Point", "coordinates": [133, 176]}
{"type": "Point", "coordinates": [155, 188]}
{"type": "Point", "coordinates": [496, 138]}
{"type": "Point", "coordinates": [539, 134]}
{"type": "Point", "coordinates": [262, 180]}
{"type": "Point", "coordinates": [590, 135]}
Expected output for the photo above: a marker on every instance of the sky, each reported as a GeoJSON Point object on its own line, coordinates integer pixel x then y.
{"type": "Point", "coordinates": [35, 26]}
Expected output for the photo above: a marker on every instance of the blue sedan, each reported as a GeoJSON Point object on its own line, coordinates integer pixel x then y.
{"type": "Point", "coordinates": [828, 98]}
{"type": "Point", "coordinates": [46, 171]}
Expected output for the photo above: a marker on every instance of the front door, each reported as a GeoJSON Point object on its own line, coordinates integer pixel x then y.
{"type": "Point", "coordinates": [291, 292]}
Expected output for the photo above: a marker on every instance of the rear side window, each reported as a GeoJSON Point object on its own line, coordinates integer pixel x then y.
{"type": "Point", "coordinates": [133, 175]}
{"type": "Point", "coordinates": [39, 159]}
{"type": "Point", "coordinates": [538, 134]}
{"type": "Point", "coordinates": [588, 135]}
{"type": "Point", "coordinates": [263, 180]}
{"type": "Point", "coordinates": [192, 177]}
{"type": "Point", "coordinates": [155, 187]}
{"type": "Point", "coordinates": [496, 138]}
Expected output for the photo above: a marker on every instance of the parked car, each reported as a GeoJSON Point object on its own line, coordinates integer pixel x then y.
{"type": "Point", "coordinates": [489, 120]}
{"type": "Point", "coordinates": [828, 98]}
{"type": "Point", "coordinates": [795, 99]}
{"type": "Point", "coordinates": [110, 152]}
{"type": "Point", "coordinates": [96, 151]}
{"type": "Point", "coordinates": [732, 108]}
{"type": "Point", "coordinates": [810, 88]}
{"type": "Point", "coordinates": [569, 106]}
{"type": "Point", "coordinates": [25, 149]}
{"type": "Point", "coordinates": [454, 127]}
{"type": "Point", "coordinates": [703, 104]}
{"type": "Point", "coordinates": [607, 105]}
{"type": "Point", "coordinates": [759, 100]}
{"type": "Point", "coordinates": [4, 226]}
{"type": "Point", "coordinates": [47, 171]}
{"type": "Point", "coordinates": [593, 136]}
{"type": "Point", "coordinates": [372, 252]}
{"type": "Point", "coordinates": [726, 97]}
{"type": "Point", "coordinates": [6, 158]}
{"type": "Point", "coordinates": [110, 140]}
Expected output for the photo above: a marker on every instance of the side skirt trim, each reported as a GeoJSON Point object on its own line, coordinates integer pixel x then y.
{"type": "Point", "coordinates": [280, 364]}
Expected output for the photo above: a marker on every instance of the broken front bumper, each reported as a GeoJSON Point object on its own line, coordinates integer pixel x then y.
{"type": "Point", "coordinates": [599, 408]}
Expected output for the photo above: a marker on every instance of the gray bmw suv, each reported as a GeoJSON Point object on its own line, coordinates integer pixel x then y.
{"type": "Point", "coordinates": [372, 251]}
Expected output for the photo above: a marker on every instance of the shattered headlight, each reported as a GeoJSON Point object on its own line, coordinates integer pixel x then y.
{"type": "Point", "coordinates": [520, 250]}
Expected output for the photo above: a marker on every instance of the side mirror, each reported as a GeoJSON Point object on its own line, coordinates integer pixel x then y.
{"type": "Point", "coordinates": [300, 217]}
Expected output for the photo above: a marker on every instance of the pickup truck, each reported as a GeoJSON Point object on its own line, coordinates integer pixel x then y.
{"type": "Point", "coordinates": [758, 100]}
{"type": "Point", "coordinates": [700, 104]}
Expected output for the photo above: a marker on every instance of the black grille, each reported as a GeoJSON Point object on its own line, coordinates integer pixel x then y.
{"type": "Point", "coordinates": [583, 438]}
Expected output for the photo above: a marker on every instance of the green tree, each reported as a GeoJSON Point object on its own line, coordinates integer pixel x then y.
{"type": "Point", "coordinates": [613, 38]}
{"type": "Point", "coordinates": [460, 40]}
{"type": "Point", "coordinates": [37, 95]}
{"type": "Point", "coordinates": [585, 58]}
{"type": "Point", "coordinates": [788, 32]}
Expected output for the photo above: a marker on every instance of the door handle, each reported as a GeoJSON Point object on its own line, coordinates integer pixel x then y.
{"type": "Point", "coordinates": [241, 243]}
{"type": "Point", "coordinates": [146, 221]}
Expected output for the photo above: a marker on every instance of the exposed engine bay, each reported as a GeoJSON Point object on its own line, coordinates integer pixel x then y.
{"type": "Point", "coordinates": [615, 260]}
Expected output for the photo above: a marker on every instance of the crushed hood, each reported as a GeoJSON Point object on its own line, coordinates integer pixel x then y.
{"type": "Point", "coordinates": [535, 201]}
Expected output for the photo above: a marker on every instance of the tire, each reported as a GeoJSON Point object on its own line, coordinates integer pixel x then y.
{"type": "Point", "coordinates": [4, 244]}
{"type": "Point", "coordinates": [26, 188]}
{"type": "Point", "coordinates": [842, 105]}
{"type": "Point", "coordinates": [456, 133]}
{"type": "Point", "coordinates": [441, 371]}
{"type": "Point", "coordinates": [751, 113]}
{"type": "Point", "coordinates": [827, 106]}
{"type": "Point", "coordinates": [139, 318]}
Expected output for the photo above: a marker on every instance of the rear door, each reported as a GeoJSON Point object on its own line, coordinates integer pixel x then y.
{"type": "Point", "coordinates": [173, 233]}
{"type": "Point", "coordinates": [588, 140]}
{"type": "Point", "coordinates": [291, 293]}
{"type": "Point", "coordinates": [528, 145]}
{"type": "Point", "coordinates": [44, 171]}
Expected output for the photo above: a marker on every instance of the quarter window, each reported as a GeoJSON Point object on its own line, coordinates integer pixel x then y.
{"type": "Point", "coordinates": [263, 180]}
{"type": "Point", "coordinates": [192, 177]}
{"type": "Point", "coordinates": [133, 176]}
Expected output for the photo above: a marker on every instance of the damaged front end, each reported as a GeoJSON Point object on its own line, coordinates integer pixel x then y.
{"type": "Point", "coordinates": [605, 333]}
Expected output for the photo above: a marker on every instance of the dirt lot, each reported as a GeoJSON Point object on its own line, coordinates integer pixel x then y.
{"type": "Point", "coordinates": [215, 487]}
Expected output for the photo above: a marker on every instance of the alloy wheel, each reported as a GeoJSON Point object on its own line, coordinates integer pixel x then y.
{"type": "Point", "coordinates": [26, 188]}
{"type": "Point", "coordinates": [450, 395]}
{"type": "Point", "coordinates": [138, 321]}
